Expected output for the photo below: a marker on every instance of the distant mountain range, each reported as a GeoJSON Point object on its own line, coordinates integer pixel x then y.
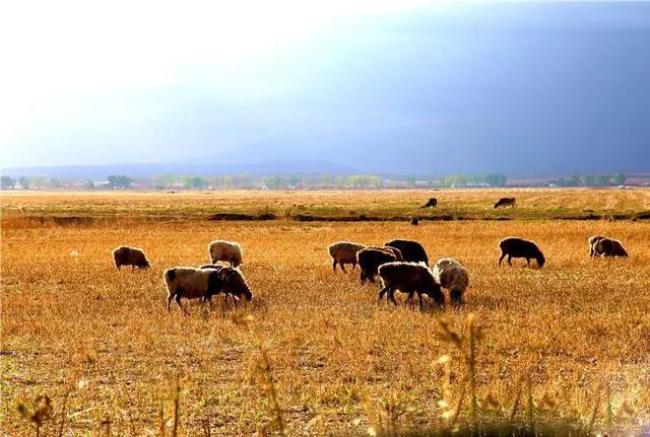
{"type": "Point", "coordinates": [148, 170]}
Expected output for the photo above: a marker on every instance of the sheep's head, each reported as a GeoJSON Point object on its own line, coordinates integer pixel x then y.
{"type": "Point", "coordinates": [540, 259]}
{"type": "Point", "coordinates": [234, 283]}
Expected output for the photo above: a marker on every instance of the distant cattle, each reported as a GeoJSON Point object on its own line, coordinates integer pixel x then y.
{"type": "Point", "coordinates": [506, 201]}
{"type": "Point", "coordinates": [432, 203]}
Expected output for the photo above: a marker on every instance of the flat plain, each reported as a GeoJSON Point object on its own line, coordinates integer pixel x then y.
{"type": "Point", "coordinates": [314, 350]}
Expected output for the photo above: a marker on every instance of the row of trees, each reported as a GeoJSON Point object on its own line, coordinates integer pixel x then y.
{"type": "Point", "coordinates": [123, 182]}
{"type": "Point", "coordinates": [487, 179]}
{"type": "Point", "coordinates": [591, 181]}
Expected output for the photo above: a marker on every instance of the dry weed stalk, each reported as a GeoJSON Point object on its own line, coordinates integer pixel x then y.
{"type": "Point", "coordinates": [264, 371]}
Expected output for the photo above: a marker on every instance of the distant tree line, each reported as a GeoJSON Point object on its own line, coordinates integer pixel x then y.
{"type": "Point", "coordinates": [277, 182]}
{"type": "Point", "coordinates": [591, 181]}
{"type": "Point", "coordinates": [487, 180]}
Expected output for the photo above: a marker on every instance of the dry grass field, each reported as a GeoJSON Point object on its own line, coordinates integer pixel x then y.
{"type": "Point", "coordinates": [313, 350]}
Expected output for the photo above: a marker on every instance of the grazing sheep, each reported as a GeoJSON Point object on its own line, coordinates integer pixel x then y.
{"type": "Point", "coordinates": [451, 274]}
{"type": "Point", "coordinates": [515, 247]}
{"type": "Point", "coordinates": [130, 256]}
{"type": "Point", "coordinates": [203, 283]}
{"type": "Point", "coordinates": [415, 221]}
{"type": "Point", "coordinates": [409, 278]}
{"type": "Point", "coordinates": [432, 203]}
{"type": "Point", "coordinates": [344, 252]}
{"type": "Point", "coordinates": [606, 247]}
{"type": "Point", "coordinates": [592, 242]}
{"type": "Point", "coordinates": [221, 250]}
{"type": "Point", "coordinates": [506, 201]}
{"type": "Point", "coordinates": [411, 250]}
{"type": "Point", "coordinates": [370, 258]}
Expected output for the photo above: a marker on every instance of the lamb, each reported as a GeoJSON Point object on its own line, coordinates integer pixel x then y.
{"type": "Point", "coordinates": [451, 274]}
{"type": "Point", "coordinates": [344, 252]}
{"type": "Point", "coordinates": [506, 201]}
{"type": "Point", "coordinates": [229, 251]}
{"type": "Point", "coordinates": [409, 278]}
{"type": "Point", "coordinates": [432, 203]}
{"type": "Point", "coordinates": [130, 256]}
{"type": "Point", "coordinates": [371, 258]}
{"type": "Point", "coordinates": [203, 283]}
{"type": "Point", "coordinates": [411, 250]}
{"type": "Point", "coordinates": [515, 247]}
{"type": "Point", "coordinates": [606, 247]}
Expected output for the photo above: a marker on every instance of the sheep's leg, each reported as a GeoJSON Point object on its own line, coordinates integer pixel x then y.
{"type": "Point", "coordinates": [391, 296]}
{"type": "Point", "coordinates": [527, 262]}
{"type": "Point", "coordinates": [132, 267]}
{"type": "Point", "coordinates": [420, 299]}
{"type": "Point", "coordinates": [170, 297]}
{"type": "Point", "coordinates": [409, 299]}
{"type": "Point", "coordinates": [382, 293]}
{"type": "Point", "coordinates": [334, 265]}
{"type": "Point", "coordinates": [178, 301]}
{"type": "Point", "coordinates": [456, 297]}
{"type": "Point", "coordinates": [510, 260]}
{"type": "Point", "coordinates": [354, 265]}
{"type": "Point", "coordinates": [503, 255]}
{"type": "Point", "coordinates": [342, 265]}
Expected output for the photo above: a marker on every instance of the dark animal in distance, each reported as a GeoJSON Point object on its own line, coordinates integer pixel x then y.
{"type": "Point", "coordinates": [409, 278]}
{"type": "Point", "coordinates": [506, 201]}
{"type": "Point", "coordinates": [411, 250]}
{"type": "Point", "coordinates": [608, 247]}
{"type": "Point", "coordinates": [514, 247]}
{"type": "Point", "coordinates": [431, 203]}
{"type": "Point", "coordinates": [415, 221]}
{"type": "Point", "coordinates": [130, 256]}
{"type": "Point", "coordinates": [371, 258]}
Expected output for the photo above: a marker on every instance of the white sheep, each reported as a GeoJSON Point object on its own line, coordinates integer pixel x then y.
{"type": "Point", "coordinates": [451, 274]}
{"type": "Point", "coordinates": [344, 252]}
{"type": "Point", "coordinates": [221, 250]}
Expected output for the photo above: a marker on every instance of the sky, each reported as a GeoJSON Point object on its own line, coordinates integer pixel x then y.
{"type": "Point", "coordinates": [381, 86]}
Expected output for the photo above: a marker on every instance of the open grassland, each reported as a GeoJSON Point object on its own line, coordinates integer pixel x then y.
{"type": "Point", "coordinates": [569, 342]}
{"type": "Point", "coordinates": [380, 204]}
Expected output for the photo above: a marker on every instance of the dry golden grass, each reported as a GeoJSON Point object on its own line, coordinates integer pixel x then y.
{"type": "Point", "coordinates": [101, 346]}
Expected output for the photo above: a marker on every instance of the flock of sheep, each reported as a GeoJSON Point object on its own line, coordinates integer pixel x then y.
{"type": "Point", "coordinates": [402, 265]}
{"type": "Point", "coordinates": [196, 283]}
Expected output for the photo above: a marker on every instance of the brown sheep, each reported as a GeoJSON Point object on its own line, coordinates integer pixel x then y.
{"type": "Point", "coordinates": [371, 258]}
{"type": "Point", "coordinates": [203, 283]}
{"type": "Point", "coordinates": [506, 201]}
{"type": "Point", "coordinates": [606, 247]}
{"type": "Point", "coordinates": [130, 256]}
{"type": "Point", "coordinates": [411, 250]}
{"type": "Point", "coordinates": [409, 278]}
{"type": "Point", "coordinates": [344, 252]}
{"type": "Point", "coordinates": [514, 247]}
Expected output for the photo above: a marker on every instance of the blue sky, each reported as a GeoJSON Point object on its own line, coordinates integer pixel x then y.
{"type": "Point", "coordinates": [451, 86]}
